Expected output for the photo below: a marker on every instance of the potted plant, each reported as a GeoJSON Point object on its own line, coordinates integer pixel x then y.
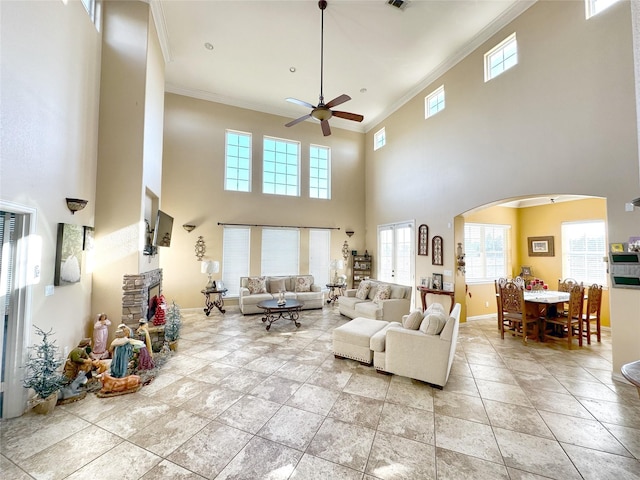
{"type": "Point", "coordinates": [172, 326]}
{"type": "Point", "coordinates": [42, 374]}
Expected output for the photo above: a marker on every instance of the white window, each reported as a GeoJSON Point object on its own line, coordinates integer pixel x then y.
{"type": "Point", "coordinates": [434, 102]}
{"type": "Point", "coordinates": [319, 172]}
{"type": "Point", "coordinates": [94, 9]}
{"type": "Point", "coordinates": [501, 57]}
{"type": "Point", "coordinates": [379, 139]}
{"type": "Point", "coordinates": [235, 257]}
{"type": "Point", "coordinates": [583, 249]}
{"type": "Point", "coordinates": [396, 253]}
{"type": "Point", "coordinates": [594, 7]}
{"type": "Point", "coordinates": [281, 167]}
{"type": "Point", "coordinates": [486, 251]}
{"type": "Point", "coordinates": [237, 172]}
{"type": "Point", "coordinates": [319, 255]}
{"type": "Point", "coordinates": [280, 251]}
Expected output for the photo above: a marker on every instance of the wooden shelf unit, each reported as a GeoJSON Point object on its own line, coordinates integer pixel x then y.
{"type": "Point", "coordinates": [361, 269]}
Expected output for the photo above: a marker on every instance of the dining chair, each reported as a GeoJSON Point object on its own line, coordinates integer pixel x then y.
{"type": "Point", "coordinates": [569, 324]}
{"type": "Point", "coordinates": [592, 313]}
{"type": "Point", "coordinates": [501, 282]}
{"type": "Point", "coordinates": [565, 286]}
{"type": "Point", "coordinates": [519, 281]}
{"type": "Point", "coordinates": [513, 312]}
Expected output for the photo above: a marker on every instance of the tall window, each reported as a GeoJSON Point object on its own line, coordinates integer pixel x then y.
{"type": "Point", "coordinates": [237, 173]}
{"type": "Point", "coordinates": [583, 247]}
{"type": "Point", "coordinates": [379, 139]}
{"type": "Point", "coordinates": [434, 102]}
{"type": "Point", "coordinates": [280, 251]}
{"type": "Point", "coordinates": [235, 257]}
{"type": "Point", "coordinates": [94, 9]}
{"type": "Point", "coordinates": [396, 253]}
{"type": "Point", "coordinates": [594, 7]}
{"type": "Point", "coordinates": [501, 57]}
{"type": "Point", "coordinates": [281, 173]}
{"type": "Point", "coordinates": [319, 253]}
{"type": "Point", "coordinates": [486, 251]}
{"type": "Point", "coordinates": [319, 172]}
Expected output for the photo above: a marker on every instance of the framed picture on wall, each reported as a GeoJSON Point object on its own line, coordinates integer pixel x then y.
{"type": "Point", "coordinates": [423, 240]}
{"type": "Point", "coordinates": [68, 254]}
{"type": "Point", "coordinates": [436, 250]}
{"type": "Point", "coordinates": [540, 246]}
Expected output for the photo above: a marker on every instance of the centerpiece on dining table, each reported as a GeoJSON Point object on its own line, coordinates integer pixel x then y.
{"type": "Point", "coordinates": [537, 285]}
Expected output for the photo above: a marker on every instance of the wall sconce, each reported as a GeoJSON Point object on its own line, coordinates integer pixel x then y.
{"type": "Point", "coordinates": [200, 248]}
{"type": "Point", "coordinates": [349, 233]}
{"type": "Point", "coordinates": [76, 204]}
{"type": "Point", "coordinates": [345, 251]}
{"type": "Point", "coordinates": [460, 259]}
{"type": "Point", "coordinates": [188, 227]}
{"type": "Point", "coordinates": [210, 267]}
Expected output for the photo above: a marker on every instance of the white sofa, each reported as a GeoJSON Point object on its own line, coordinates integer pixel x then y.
{"type": "Point", "coordinates": [389, 309]}
{"type": "Point", "coordinates": [291, 284]}
{"type": "Point", "coordinates": [414, 354]}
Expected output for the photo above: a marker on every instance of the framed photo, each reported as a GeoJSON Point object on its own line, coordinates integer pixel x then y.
{"type": "Point", "coordinates": [423, 240]}
{"type": "Point", "coordinates": [540, 246]}
{"type": "Point", "coordinates": [525, 271]}
{"type": "Point", "coordinates": [424, 282]}
{"type": "Point", "coordinates": [68, 254]}
{"type": "Point", "coordinates": [436, 250]}
{"type": "Point", "coordinates": [437, 281]}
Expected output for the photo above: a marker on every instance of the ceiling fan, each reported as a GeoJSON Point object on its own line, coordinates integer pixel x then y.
{"type": "Point", "coordinates": [323, 111]}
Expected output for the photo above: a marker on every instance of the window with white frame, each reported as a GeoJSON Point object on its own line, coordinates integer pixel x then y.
{"type": "Point", "coordinates": [379, 139]}
{"type": "Point", "coordinates": [594, 7]}
{"type": "Point", "coordinates": [235, 257]}
{"type": "Point", "coordinates": [583, 249]}
{"type": "Point", "coordinates": [319, 255]}
{"type": "Point", "coordinates": [237, 172]}
{"type": "Point", "coordinates": [434, 102]}
{"type": "Point", "coordinates": [281, 167]}
{"type": "Point", "coordinates": [94, 9]}
{"type": "Point", "coordinates": [319, 172]}
{"type": "Point", "coordinates": [486, 250]}
{"type": "Point", "coordinates": [280, 251]}
{"type": "Point", "coordinates": [501, 57]}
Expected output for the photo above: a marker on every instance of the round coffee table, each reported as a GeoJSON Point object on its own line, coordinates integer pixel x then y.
{"type": "Point", "coordinates": [274, 312]}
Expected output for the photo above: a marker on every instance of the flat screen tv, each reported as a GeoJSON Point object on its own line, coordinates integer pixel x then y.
{"type": "Point", "coordinates": [162, 232]}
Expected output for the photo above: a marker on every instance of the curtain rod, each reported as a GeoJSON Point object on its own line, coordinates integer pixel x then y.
{"type": "Point", "coordinates": [274, 226]}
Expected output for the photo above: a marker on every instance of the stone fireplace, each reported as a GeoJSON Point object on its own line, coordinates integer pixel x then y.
{"type": "Point", "coordinates": [136, 291]}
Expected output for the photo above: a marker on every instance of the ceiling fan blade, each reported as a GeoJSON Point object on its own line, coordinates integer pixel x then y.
{"type": "Point", "coordinates": [300, 102]}
{"type": "Point", "coordinates": [298, 120]}
{"type": "Point", "coordinates": [326, 129]}
{"type": "Point", "coordinates": [338, 100]}
{"type": "Point", "coordinates": [347, 115]}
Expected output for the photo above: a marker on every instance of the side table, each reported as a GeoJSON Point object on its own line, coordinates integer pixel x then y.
{"type": "Point", "coordinates": [213, 298]}
{"type": "Point", "coordinates": [335, 290]}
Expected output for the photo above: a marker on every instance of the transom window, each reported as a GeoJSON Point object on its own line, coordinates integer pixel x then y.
{"type": "Point", "coordinates": [594, 7]}
{"type": "Point", "coordinates": [434, 102]}
{"type": "Point", "coordinates": [238, 161]}
{"type": "Point", "coordinates": [583, 248]}
{"type": "Point", "coordinates": [319, 172]}
{"type": "Point", "coordinates": [379, 139]}
{"type": "Point", "coordinates": [486, 251]}
{"type": "Point", "coordinates": [281, 167]}
{"type": "Point", "coordinates": [501, 57]}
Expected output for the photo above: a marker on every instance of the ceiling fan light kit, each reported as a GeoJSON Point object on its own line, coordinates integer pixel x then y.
{"type": "Point", "coordinates": [322, 112]}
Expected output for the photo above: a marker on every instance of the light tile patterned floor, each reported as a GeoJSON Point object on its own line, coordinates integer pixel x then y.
{"type": "Point", "coordinates": [238, 402]}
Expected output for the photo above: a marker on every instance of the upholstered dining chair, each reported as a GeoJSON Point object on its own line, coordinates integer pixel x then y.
{"type": "Point", "coordinates": [568, 324]}
{"type": "Point", "coordinates": [513, 312]}
{"type": "Point", "coordinates": [592, 313]}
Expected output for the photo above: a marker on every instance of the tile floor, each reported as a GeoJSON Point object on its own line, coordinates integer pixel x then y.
{"type": "Point", "coordinates": [237, 402]}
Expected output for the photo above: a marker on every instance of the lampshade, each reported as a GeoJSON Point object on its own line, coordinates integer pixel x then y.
{"type": "Point", "coordinates": [209, 266]}
{"type": "Point", "coordinates": [336, 264]}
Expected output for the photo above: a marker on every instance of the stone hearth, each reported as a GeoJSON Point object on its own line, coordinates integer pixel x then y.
{"type": "Point", "coordinates": [135, 295]}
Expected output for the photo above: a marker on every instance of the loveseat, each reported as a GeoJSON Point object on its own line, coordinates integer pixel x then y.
{"type": "Point", "coordinates": [377, 300]}
{"type": "Point", "coordinates": [299, 287]}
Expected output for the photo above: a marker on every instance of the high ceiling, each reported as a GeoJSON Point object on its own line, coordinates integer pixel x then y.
{"type": "Point", "coordinates": [379, 55]}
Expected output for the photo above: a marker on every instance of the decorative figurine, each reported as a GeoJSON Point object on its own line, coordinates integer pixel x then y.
{"type": "Point", "coordinates": [100, 337]}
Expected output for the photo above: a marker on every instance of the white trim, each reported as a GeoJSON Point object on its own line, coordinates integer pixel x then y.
{"type": "Point", "coordinates": [488, 316]}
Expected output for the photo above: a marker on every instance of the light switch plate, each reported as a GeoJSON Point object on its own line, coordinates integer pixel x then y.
{"type": "Point", "coordinates": [447, 273]}
{"type": "Point", "coordinates": [628, 207]}
{"type": "Point", "coordinates": [48, 290]}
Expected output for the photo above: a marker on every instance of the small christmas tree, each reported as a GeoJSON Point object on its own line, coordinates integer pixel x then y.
{"type": "Point", "coordinates": [173, 323]}
{"type": "Point", "coordinates": [42, 366]}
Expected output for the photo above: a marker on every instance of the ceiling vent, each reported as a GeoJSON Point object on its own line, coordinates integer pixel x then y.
{"type": "Point", "coordinates": [401, 4]}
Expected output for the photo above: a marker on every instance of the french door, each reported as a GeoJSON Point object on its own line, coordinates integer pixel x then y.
{"type": "Point", "coordinates": [396, 250]}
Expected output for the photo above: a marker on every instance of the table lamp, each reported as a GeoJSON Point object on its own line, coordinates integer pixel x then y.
{"type": "Point", "coordinates": [335, 266]}
{"type": "Point", "coordinates": [210, 267]}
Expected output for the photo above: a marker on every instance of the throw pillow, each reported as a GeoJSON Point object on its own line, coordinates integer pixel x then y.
{"type": "Point", "coordinates": [276, 285]}
{"type": "Point", "coordinates": [433, 323]}
{"type": "Point", "coordinates": [382, 293]}
{"type": "Point", "coordinates": [257, 285]}
{"type": "Point", "coordinates": [303, 283]}
{"type": "Point", "coordinates": [363, 290]}
{"type": "Point", "coordinates": [413, 320]}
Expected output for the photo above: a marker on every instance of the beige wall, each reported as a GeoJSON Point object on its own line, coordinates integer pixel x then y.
{"type": "Point", "coordinates": [543, 127]}
{"type": "Point", "coordinates": [193, 190]}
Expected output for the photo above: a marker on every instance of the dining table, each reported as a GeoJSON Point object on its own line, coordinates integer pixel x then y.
{"type": "Point", "coordinates": [542, 303]}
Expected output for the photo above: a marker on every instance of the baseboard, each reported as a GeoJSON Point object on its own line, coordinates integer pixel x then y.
{"type": "Point", "coordinates": [489, 316]}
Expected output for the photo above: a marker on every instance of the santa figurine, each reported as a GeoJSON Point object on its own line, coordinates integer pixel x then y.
{"type": "Point", "coordinates": [161, 307]}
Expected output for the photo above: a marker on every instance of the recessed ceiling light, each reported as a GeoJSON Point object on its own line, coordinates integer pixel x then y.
{"type": "Point", "coordinates": [363, 90]}
{"type": "Point", "coordinates": [292, 69]}
{"type": "Point", "coordinates": [208, 46]}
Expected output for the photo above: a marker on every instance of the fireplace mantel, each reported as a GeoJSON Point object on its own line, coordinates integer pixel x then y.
{"type": "Point", "coordinates": [135, 295]}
